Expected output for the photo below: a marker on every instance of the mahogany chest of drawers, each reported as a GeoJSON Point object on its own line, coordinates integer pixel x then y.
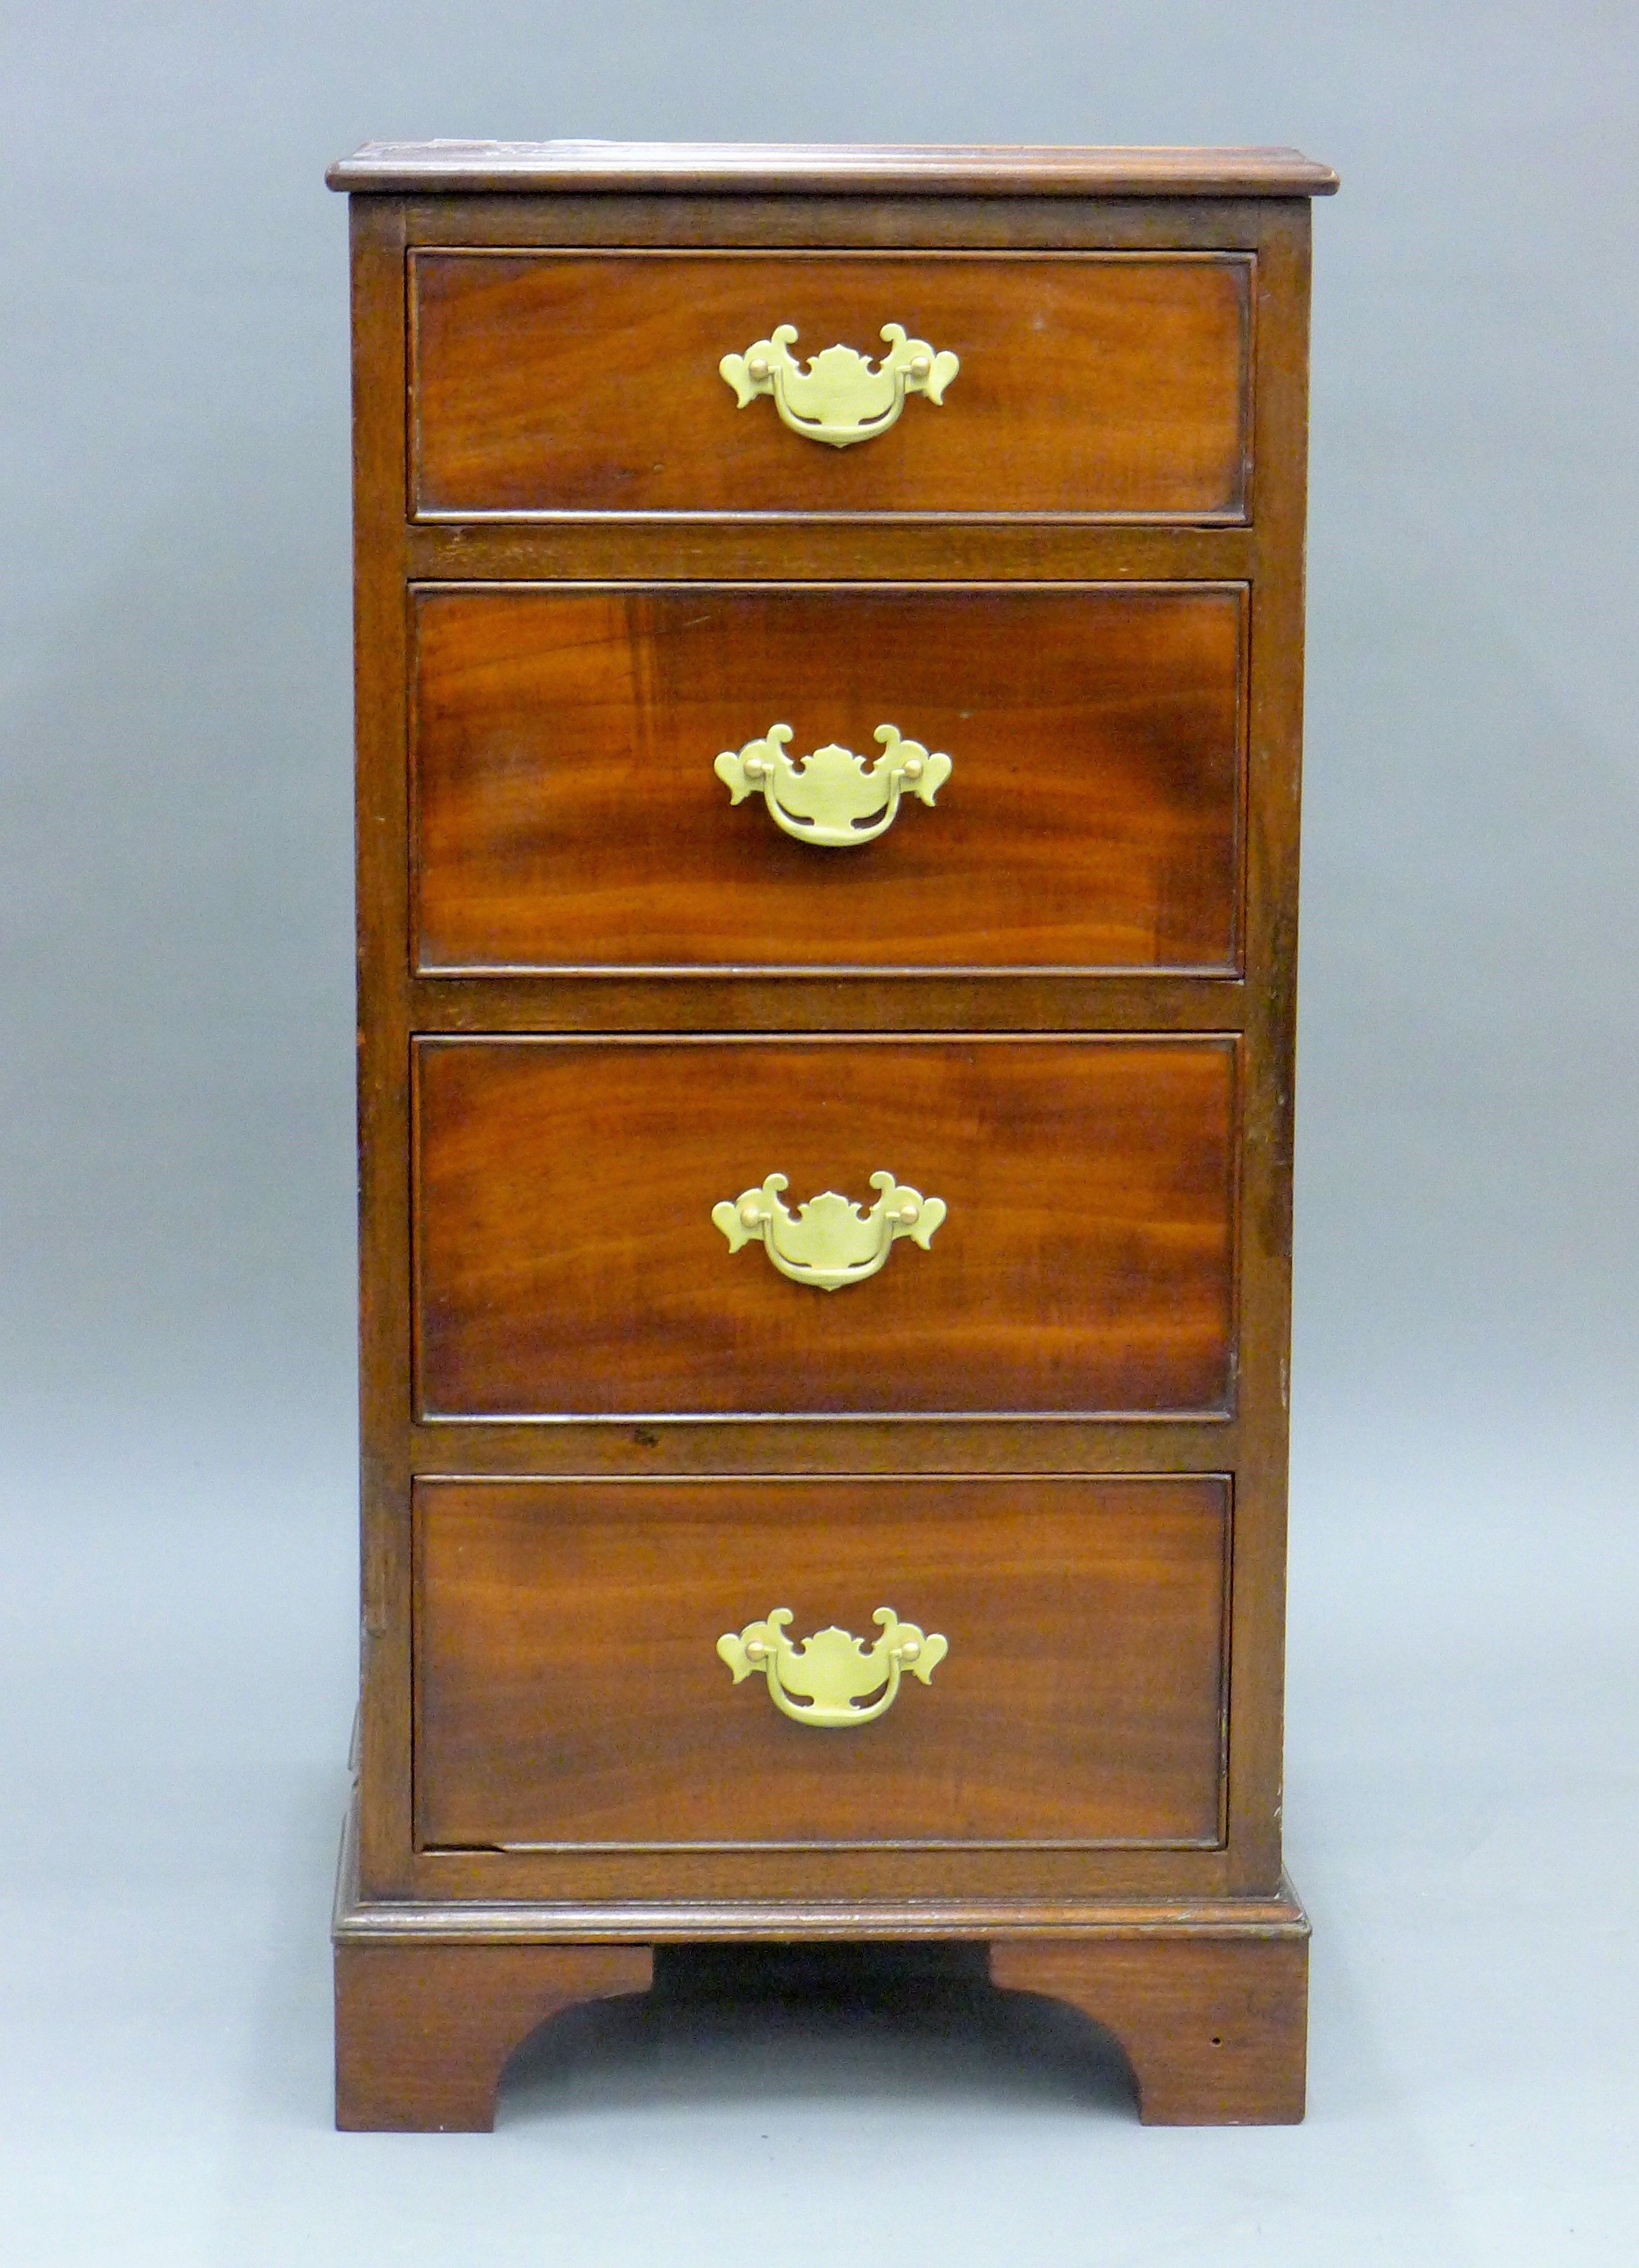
{"type": "Point", "coordinates": [829, 635]}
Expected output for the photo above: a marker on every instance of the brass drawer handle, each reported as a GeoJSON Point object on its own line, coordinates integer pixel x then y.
{"type": "Point", "coordinates": [835, 798]}
{"type": "Point", "coordinates": [840, 398]}
{"type": "Point", "coordinates": [832, 1675]}
{"type": "Point", "coordinates": [829, 1242]}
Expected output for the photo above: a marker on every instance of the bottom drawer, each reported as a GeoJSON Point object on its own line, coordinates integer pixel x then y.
{"type": "Point", "coordinates": [571, 1688]}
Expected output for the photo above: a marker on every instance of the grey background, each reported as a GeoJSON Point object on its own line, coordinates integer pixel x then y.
{"type": "Point", "coordinates": [176, 1421]}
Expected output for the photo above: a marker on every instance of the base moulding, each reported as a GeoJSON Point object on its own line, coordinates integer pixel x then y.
{"type": "Point", "coordinates": [1206, 1999]}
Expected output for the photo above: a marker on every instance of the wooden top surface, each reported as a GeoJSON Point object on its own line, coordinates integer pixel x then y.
{"type": "Point", "coordinates": [536, 168]}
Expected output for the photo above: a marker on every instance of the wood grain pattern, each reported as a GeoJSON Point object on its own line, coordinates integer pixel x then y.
{"type": "Point", "coordinates": [424, 2031]}
{"type": "Point", "coordinates": [1215, 2028]}
{"type": "Point", "coordinates": [482, 1897]}
{"type": "Point", "coordinates": [823, 1000]}
{"type": "Point", "coordinates": [553, 220]}
{"type": "Point", "coordinates": [1137, 1904]}
{"type": "Point", "coordinates": [950, 168]}
{"type": "Point", "coordinates": [568, 813]}
{"type": "Point", "coordinates": [1273, 794]}
{"type": "Point", "coordinates": [567, 1262]}
{"type": "Point", "coordinates": [569, 1689]}
{"type": "Point", "coordinates": [1090, 384]}
{"type": "Point", "coordinates": [380, 664]}
{"type": "Point", "coordinates": [685, 549]}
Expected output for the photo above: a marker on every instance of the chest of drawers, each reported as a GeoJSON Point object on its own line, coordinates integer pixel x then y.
{"type": "Point", "coordinates": [829, 641]}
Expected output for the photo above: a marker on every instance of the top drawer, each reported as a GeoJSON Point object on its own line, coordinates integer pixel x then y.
{"type": "Point", "coordinates": [1091, 385]}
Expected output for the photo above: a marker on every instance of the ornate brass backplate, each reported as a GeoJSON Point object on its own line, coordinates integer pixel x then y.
{"type": "Point", "coordinates": [840, 398]}
{"type": "Point", "coordinates": [830, 1241]}
{"type": "Point", "coordinates": [833, 798]}
{"type": "Point", "coordinates": [829, 1680]}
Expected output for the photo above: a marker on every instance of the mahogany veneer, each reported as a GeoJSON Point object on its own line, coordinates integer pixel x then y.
{"type": "Point", "coordinates": [1098, 385]}
{"type": "Point", "coordinates": [567, 815]}
{"type": "Point", "coordinates": [569, 1693]}
{"type": "Point", "coordinates": [597, 999]}
{"type": "Point", "coordinates": [567, 1260]}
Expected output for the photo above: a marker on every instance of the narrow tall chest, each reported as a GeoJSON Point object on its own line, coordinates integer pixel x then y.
{"type": "Point", "coordinates": [829, 680]}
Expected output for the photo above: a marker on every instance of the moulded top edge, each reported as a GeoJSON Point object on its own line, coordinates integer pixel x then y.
{"type": "Point", "coordinates": [833, 168]}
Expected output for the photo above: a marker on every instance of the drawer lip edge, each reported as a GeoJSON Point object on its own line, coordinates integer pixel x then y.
{"type": "Point", "coordinates": [1222, 1473]}
{"type": "Point", "coordinates": [658, 1847]}
{"type": "Point", "coordinates": [479, 516]}
{"type": "Point", "coordinates": [865, 972]}
{"type": "Point", "coordinates": [1168, 1416]}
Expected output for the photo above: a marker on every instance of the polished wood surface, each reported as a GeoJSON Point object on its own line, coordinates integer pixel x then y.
{"type": "Point", "coordinates": [1268, 555]}
{"type": "Point", "coordinates": [568, 815]}
{"type": "Point", "coordinates": [569, 1689]}
{"type": "Point", "coordinates": [463, 1904]}
{"type": "Point", "coordinates": [1090, 384]}
{"type": "Point", "coordinates": [415, 168]}
{"type": "Point", "coordinates": [424, 2031]}
{"type": "Point", "coordinates": [1236, 216]}
{"type": "Point", "coordinates": [1213, 2027]}
{"type": "Point", "coordinates": [567, 1260]}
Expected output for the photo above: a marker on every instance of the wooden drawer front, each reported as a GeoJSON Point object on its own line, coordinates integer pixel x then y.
{"type": "Point", "coordinates": [1092, 385]}
{"type": "Point", "coordinates": [568, 1688]}
{"type": "Point", "coordinates": [568, 815]}
{"type": "Point", "coordinates": [567, 1260]}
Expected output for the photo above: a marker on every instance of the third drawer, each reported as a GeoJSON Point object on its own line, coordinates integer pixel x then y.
{"type": "Point", "coordinates": [609, 1227]}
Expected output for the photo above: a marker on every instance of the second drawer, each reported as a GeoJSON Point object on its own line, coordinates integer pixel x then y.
{"type": "Point", "coordinates": [575, 752]}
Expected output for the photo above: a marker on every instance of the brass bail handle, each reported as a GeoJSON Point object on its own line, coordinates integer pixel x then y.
{"type": "Point", "coordinates": [833, 1679]}
{"type": "Point", "coordinates": [833, 798]}
{"type": "Point", "coordinates": [840, 396]}
{"type": "Point", "coordinates": [830, 1241]}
